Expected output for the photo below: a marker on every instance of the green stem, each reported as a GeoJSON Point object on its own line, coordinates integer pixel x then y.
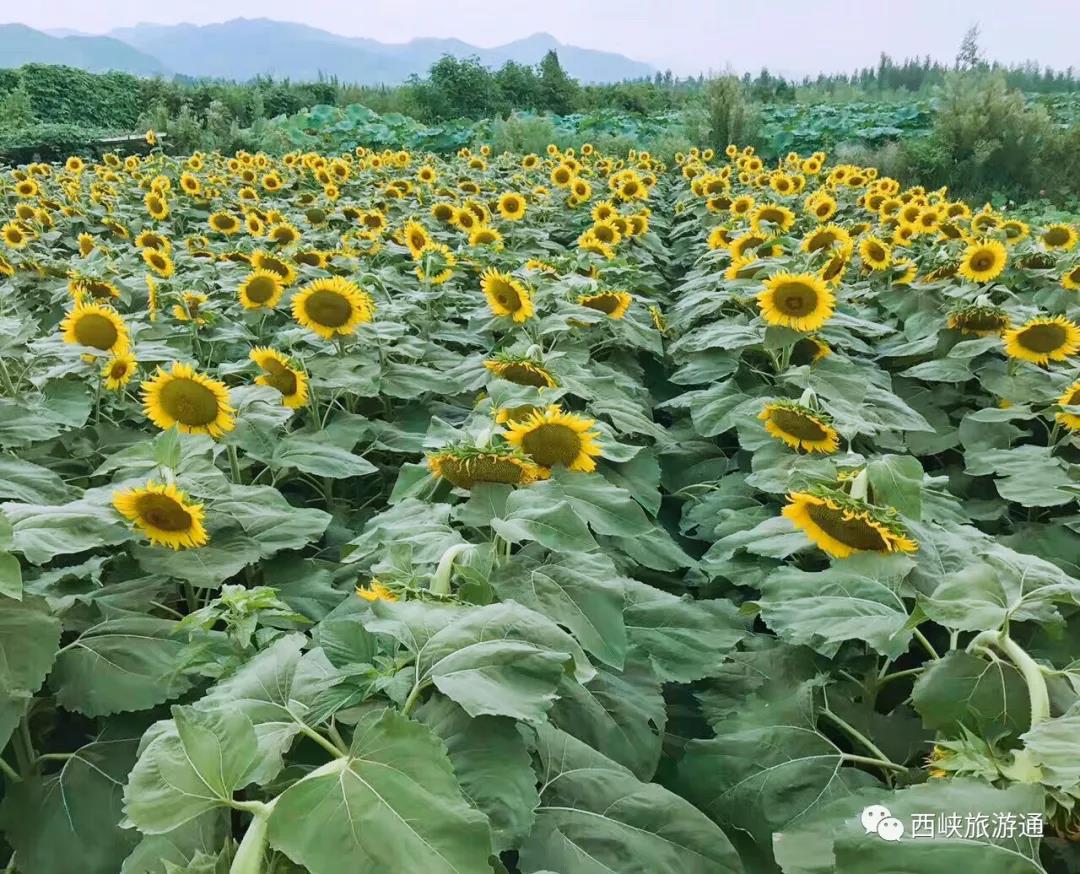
{"type": "Point", "coordinates": [860, 488]}
{"type": "Point", "coordinates": [331, 748]}
{"type": "Point", "coordinates": [9, 771]}
{"type": "Point", "coordinates": [440, 581]}
{"type": "Point", "coordinates": [234, 464]}
{"type": "Point", "coordinates": [855, 734]}
{"type": "Point", "coordinates": [414, 693]}
{"type": "Point", "coordinates": [5, 378]}
{"type": "Point", "coordinates": [929, 647]}
{"type": "Point", "coordinates": [898, 675]}
{"type": "Point", "coordinates": [877, 763]}
{"type": "Point", "coordinates": [1033, 676]}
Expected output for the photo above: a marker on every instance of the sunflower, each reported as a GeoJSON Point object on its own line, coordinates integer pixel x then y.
{"type": "Point", "coordinates": [612, 303]}
{"type": "Point", "coordinates": [482, 235]}
{"type": "Point", "coordinates": [159, 262]}
{"type": "Point", "coordinates": [719, 237]}
{"type": "Point", "coordinates": [283, 234]}
{"type": "Point", "coordinates": [96, 326]}
{"type": "Point", "coordinates": [466, 466]}
{"type": "Point", "coordinates": [800, 427]}
{"type": "Point", "coordinates": [875, 253]}
{"type": "Point", "coordinates": [800, 301]}
{"type": "Point", "coordinates": [1015, 230]}
{"type": "Point", "coordinates": [1071, 279]}
{"type": "Point", "coordinates": [415, 237]}
{"type": "Point", "coordinates": [189, 308]}
{"type": "Point", "coordinates": [595, 246]}
{"type": "Point", "coordinates": [118, 372]}
{"type": "Point", "coordinates": [435, 264]}
{"type": "Point", "coordinates": [512, 206]}
{"type": "Point", "coordinates": [224, 223]}
{"type": "Point", "coordinates": [15, 235]}
{"type": "Point", "coordinates": [551, 437]}
{"type": "Point", "coordinates": [1059, 236]}
{"type": "Point", "coordinates": [190, 183]}
{"type": "Point", "coordinates": [163, 514]}
{"type": "Point", "coordinates": [1043, 340]}
{"type": "Point", "coordinates": [841, 525]}
{"type": "Point", "coordinates": [983, 261]}
{"type": "Point", "coordinates": [520, 370]}
{"type": "Point", "coordinates": [375, 591]}
{"type": "Point", "coordinates": [261, 288]}
{"type": "Point", "coordinates": [280, 374]}
{"type": "Point", "coordinates": [506, 295]}
{"type": "Point", "coordinates": [156, 205]}
{"type": "Point", "coordinates": [808, 350]}
{"type": "Point", "coordinates": [982, 321]}
{"type": "Point", "coordinates": [1070, 398]}
{"type": "Point", "coordinates": [149, 240]}
{"type": "Point", "coordinates": [185, 398]}
{"type": "Point", "coordinates": [770, 218]}
{"type": "Point", "coordinates": [332, 307]}
{"type": "Point", "coordinates": [443, 212]}
{"type": "Point", "coordinates": [827, 237]}
{"type": "Point", "coordinates": [98, 289]}
{"type": "Point", "coordinates": [284, 270]}
{"type": "Point", "coordinates": [465, 219]}
{"type": "Point", "coordinates": [562, 176]}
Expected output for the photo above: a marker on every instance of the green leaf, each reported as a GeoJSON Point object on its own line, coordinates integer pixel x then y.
{"type": "Point", "coordinates": [1054, 745]}
{"type": "Point", "coordinates": [896, 481]}
{"type": "Point", "coordinates": [595, 816]}
{"type": "Point", "coordinates": [120, 664]}
{"type": "Point", "coordinates": [271, 521]}
{"type": "Point", "coordinates": [30, 483]}
{"type": "Point", "coordinates": [683, 639]}
{"type": "Point", "coordinates": [962, 689]}
{"type": "Point", "coordinates": [302, 452]}
{"type": "Point", "coordinates": [189, 766]}
{"type": "Point", "coordinates": [43, 532]}
{"type": "Point", "coordinates": [29, 638]}
{"type": "Point", "coordinates": [393, 804]}
{"type": "Point", "coordinates": [10, 576]}
{"type": "Point", "coordinates": [581, 591]}
{"type": "Point", "coordinates": [1029, 475]}
{"type": "Point", "coordinates": [554, 525]}
{"type": "Point", "coordinates": [68, 822]}
{"type": "Point", "coordinates": [203, 835]}
{"type": "Point", "coordinates": [492, 765]}
{"type": "Point", "coordinates": [607, 508]}
{"type": "Point", "coordinates": [859, 598]}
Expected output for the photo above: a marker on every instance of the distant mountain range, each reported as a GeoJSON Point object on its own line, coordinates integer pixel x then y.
{"type": "Point", "coordinates": [244, 48]}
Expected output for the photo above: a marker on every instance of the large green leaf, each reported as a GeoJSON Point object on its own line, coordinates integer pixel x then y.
{"type": "Point", "coordinates": [29, 638]}
{"type": "Point", "coordinates": [392, 804]}
{"type": "Point", "coordinates": [595, 817]}
{"type": "Point", "coordinates": [962, 689]}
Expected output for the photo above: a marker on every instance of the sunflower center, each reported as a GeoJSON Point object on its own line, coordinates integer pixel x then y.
{"type": "Point", "coordinates": [1043, 338]}
{"type": "Point", "coordinates": [524, 374]}
{"type": "Point", "coordinates": [96, 330]}
{"type": "Point", "coordinates": [855, 532]}
{"type": "Point", "coordinates": [328, 308]}
{"type": "Point", "coordinates": [465, 473]}
{"type": "Point", "coordinates": [795, 298]}
{"type": "Point", "coordinates": [162, 512]}
{"type": "Point", "coordinates": [977, 322]}
{"type": "Point", "coordinates": [189, 402]}
{"type": "Point", "coordinates": [605, 303]}
{"type": "Point", "coordinates": [507, 296]}
{"type": "Point", "coordinates": [875, 252]}
{"type": "Point", "coordinates": [511, 204]}
{"type": "Point", "coordinates": [260, 289]}
{"type": "Point", "coordinates": [1056, 237]}
{"type": "Point", "coordinates": [283, 379]}
{"type": "Point", "coordinates": [982, 261]}
{"type": "Point", "coordinates": [797, 425]}
{"type": "Point", "coordinates": [118, 370]}
{"type": "Point", "coordinates": [550, 444]}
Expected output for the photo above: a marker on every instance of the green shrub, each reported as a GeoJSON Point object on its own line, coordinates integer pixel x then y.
{"type": "Point", "coordinates": [730, 116]}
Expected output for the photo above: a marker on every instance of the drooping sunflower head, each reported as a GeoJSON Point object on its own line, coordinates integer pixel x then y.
{"type": "Point", "coordinates": [800, 427]}
{"type": "Point", "coordinates": [801, 301]}
{"type": "Point", "coordinates": [164, 514]}
{"type": "Point", "coordinates": [842, 526]}
{"type": "Point", "coordinates": [261, 289]}
{"type": "Point", "coordinates": [983, 261]}
{"type": "Point", "coordinates": [521, 370]}
{"type": "Point", "coordinates": [467, 466]}
{"type": "Point", "coordinates": [443, 212]}
{"type": "Point", "coordinates": [118, 371]}
{"type": "Point", "coordinates": [982, 321]}
{"type": "Point", "coordinates": [189, 400]}
{"type": "Point", "coordinates": [282, 375]}
{"type": "Point", "coordinates": [332, 307]}
{"type": "Point", "coordinates": [1043, 340]}
{"type": "Point", "coordinates": [97, 327]}
{"type": "Point", "coordinates": [612, 303]}
{"type": "Point", "coordinates": [506, 295]}
{"type": "Point", "coordinates": [552, 438]}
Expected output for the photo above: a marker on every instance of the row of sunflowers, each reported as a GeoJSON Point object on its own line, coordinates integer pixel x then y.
{"type": "Point", "coordinates": [521, 513]}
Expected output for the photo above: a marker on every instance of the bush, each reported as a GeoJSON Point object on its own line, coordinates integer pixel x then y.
{"type": "Point", "coordinates": [730, 116]}
{"type": "Point", "coordinates": [523, 133]}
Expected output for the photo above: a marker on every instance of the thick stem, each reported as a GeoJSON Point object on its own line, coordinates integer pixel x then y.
{"type": "Point", "coordinates": [860, 486]}
{"type": "Point", "coordinates": [9, 771]}
{"type": "Point", "coordinates": [440, 580]}
{"type": "Point", "coordinates": [855, 734]}
{"type": "Point", "coordinates": [331, 748]}
{"type": "Point", "coordinates": [251, 854]}
{"type": "Point", "coordinates": [929, 647]}
{"type": "Point", "coordinates": [1033, 676]}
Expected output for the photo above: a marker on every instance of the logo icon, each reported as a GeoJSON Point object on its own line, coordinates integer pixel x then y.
{"type": "Point", "coordinates": [878, 820]}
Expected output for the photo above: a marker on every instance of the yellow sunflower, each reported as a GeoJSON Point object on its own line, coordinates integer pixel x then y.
{"type": "Point", "coordinates": [164, 514]}
{"type": "Point", "coordinates": [1071, 279]}
{"type": "Point", "coordinates": [612, 303]}
{"type": "Point", "coordinates": [553, 438]}
{"type": "Point", "coordinates": [800, 427]}
{"type": "Point", "coordinates": [770, 218]}
{"type": "Point", "coordinates": [875, 253]}
{"type": "Point", "coordinates": [842, 526]}
{"type": "Point", "coordinates": [827, 237]}
{"type": "Point", "coordinates": [1070, 398]}
{"type": "Point", "coordinates": [983, 261]}
{"type": "Point", "coordinates": [800, 301]}
{"type": "Point", "coordinates": [261, 288]}
{"type": "Point", "coordinates": [96, 326]}
{"type": "Point", "coordinates": [982, 321]}
{"type": "Point", "coordinates": [285, 270]}
{"type": "Point", "coordinates": [159, 262]}
{"type": "Point", "coordinates": [1043, 340]}
{"type": "Point", "coordinates": [332, 307]}
{"type": "Point", "coordinates": [521, 370]}
{"type": "Point", "coordinates": [190, 307]}
{"type": "Point", "coordinates": [190, 401]}
{"type": "Point", "coordinates": [1060, 236]}
{"type": "Point", "coordinates": [466, 466]}
{"type": "Point", "coordinates": [512, 206]}
{"type": "Point", "coordinates": [15, 235]}
{"type": "Point", "coordinates": [506, 295]}
{"type": "Point", "coordinates": [483, 235]}
{"type": "Point", "coordinates": [280, 374]}
{"type": "Point", "coordinates": [375, 591]}
{"type": "Point", "coordinates": [415, 237]}
{"type": "Point", "coordinates": [283, 234]}
{"type": "Point", "coordinates": [436, 264]}
{"type": "Point", "coordinates": [118, 372]}
{"type": "Point", "coordinates": [224, 223]}
{"type": "Point", "coordinates": [156, 205]}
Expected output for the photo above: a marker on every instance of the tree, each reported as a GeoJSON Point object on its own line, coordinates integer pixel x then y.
{"type": "Point", "coordinates": [558, 92]}
{"type": "Point", "coordinates": [970, 55]}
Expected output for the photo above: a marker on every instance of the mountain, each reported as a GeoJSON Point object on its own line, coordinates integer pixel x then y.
{"type": "Point", "coordinates": [23, 45]}
{"type": "Point", "coordinates": [244, 48]}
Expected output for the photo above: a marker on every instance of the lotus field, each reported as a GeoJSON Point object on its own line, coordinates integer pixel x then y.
{"type": "Point", "coordinates": [574, 513]}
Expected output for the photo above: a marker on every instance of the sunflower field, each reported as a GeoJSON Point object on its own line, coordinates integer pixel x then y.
{"type": "Point", "coordinates": [501, 514]}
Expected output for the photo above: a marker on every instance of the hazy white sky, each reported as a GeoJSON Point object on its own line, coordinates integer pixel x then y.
{"type": "Point", "coordinates": [689, 36]}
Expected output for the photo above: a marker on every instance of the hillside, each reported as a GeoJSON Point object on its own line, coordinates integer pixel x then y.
{"type": "Point", "coordinates": [97, 54]}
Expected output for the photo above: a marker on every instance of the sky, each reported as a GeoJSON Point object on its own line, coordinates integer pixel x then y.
{"type": "Point", "coordinates": [792, 37]}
